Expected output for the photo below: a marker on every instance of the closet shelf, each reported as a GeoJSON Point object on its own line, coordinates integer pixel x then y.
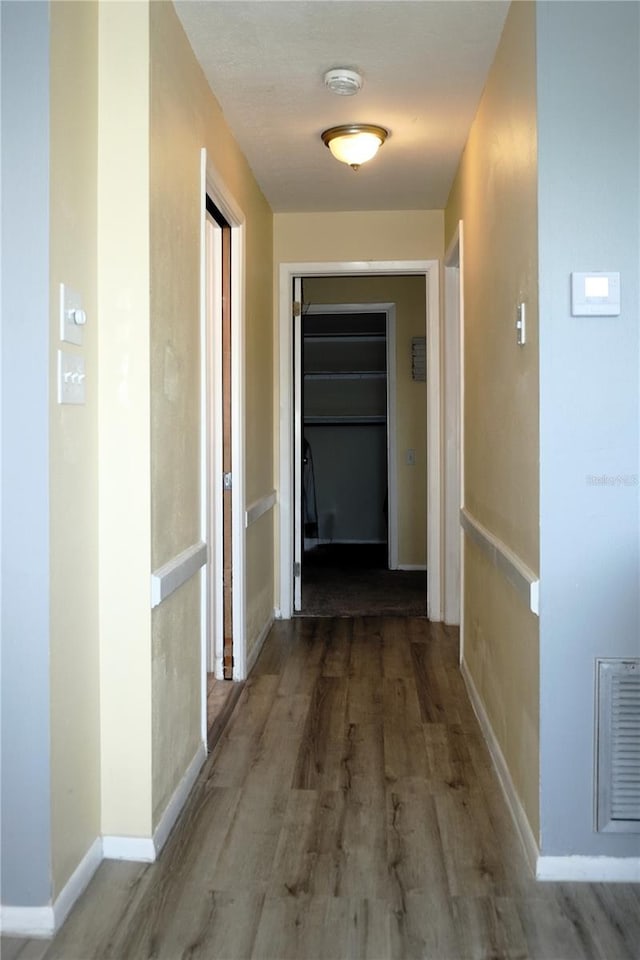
{"type": "Point", "coordinates": [347, 375]}
{"type": "Point", "coordinates": [344, 337]}
{"type": "Point", "coordinates": [344, 421]}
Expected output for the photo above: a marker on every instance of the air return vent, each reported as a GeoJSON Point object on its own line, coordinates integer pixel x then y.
{"type": "Point", "coordinates": [618, 746]}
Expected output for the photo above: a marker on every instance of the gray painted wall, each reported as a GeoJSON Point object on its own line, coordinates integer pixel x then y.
{"type": "Point", "coordinates": [589, 219]}
{"type": "Point", "coordinates": [25, 788]}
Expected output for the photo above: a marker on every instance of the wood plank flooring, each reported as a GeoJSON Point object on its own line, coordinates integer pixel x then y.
{"type": "Point", "coordinates": [348, 810]}
{"type": "Point", "coordinates": [222, 696]}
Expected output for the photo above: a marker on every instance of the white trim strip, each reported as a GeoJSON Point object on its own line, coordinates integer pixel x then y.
{"type": "Point", "coordinates": [45, 921]}
{"type": "Point", "coordinates": [259, 507]}
{"type": "Point", "coordinates": [516, 809]}
{"type": "Point", "coordinates": [171, 575]}
{"type": "Point", "coordinates": [178, 799]}
{"type": "Point", "coordinates": [77, 882]}
{"type": "Point", "coordinates": [514, 569]}
{"type": "Point", "coordinates": [27, 921]}
{"type": "Point", "coordinates": [140, 849]}
{"type": "Point", "coordinates": [589, 869]}
{"type": "Point", "coordinates": [146, 849]}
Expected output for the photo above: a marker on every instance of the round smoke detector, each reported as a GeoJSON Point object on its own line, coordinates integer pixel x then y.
{"type": "Point", "coordinates": [343, 82]}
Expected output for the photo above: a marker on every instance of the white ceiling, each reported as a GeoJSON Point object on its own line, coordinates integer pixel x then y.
{"type": "Point", "coordinates": [424, 65]}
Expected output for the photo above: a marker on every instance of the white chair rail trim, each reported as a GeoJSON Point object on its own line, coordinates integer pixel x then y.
{"type": "Point", "coordinates": [514, 569]}
{"type": "Point", "coordinates": [259, 507]}
{"type": "Point", "coordinates": [171, 575]}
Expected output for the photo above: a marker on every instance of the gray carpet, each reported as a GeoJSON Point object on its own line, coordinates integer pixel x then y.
{"type": "Point", "coordinates": [352, 581]}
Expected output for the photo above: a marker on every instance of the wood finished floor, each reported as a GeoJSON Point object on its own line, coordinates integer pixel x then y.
{"type": "Point", "coordinates": [348, 810]}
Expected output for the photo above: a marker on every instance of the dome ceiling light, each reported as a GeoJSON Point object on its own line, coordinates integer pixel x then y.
{"type": "Point", "coordinates": [354, 143]}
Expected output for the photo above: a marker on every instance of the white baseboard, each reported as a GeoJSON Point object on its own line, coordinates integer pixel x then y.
{"type": "Point", "coordinates": [178, 799]}
{"type": "Point", "coordinates": [589, 869]}
{"type": "Point", "coordinates": [411, 566]}
{"type": "Point", "coordinates": [568, 868]}
{"type": "Point", "coordinates": [257, 647]}
{"type": "Point", "coordinates": [504, 777]}
{"type": "Point", "coordinates": [77, 882]}
{"type": "Point", "coordinates": [45, 921]}
{"type": "Point", "coordinates": [129, 848]}
{"type": "Point", "coordinates": [146, 849]}
{"type": "Point", "coordinates": [27, 921]}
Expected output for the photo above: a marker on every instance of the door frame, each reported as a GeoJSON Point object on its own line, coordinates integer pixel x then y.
{"type": "Point", "coordinates": [430, 269]}
{"type": "Point", "coordinates": [211, 449]}
{"type": "Point", "coordinates": [453, 453]}
{"type": "Point", "coordinates": [389, 310]}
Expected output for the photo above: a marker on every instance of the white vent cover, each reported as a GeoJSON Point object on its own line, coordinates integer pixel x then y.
{"type": "Point", "coordinates": [419, 358]}
{"type": "Point", "coordinates": [618, 746]}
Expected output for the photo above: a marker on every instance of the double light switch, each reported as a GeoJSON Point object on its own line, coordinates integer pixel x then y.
{"type": "Point", "coordinates": [71, 368]}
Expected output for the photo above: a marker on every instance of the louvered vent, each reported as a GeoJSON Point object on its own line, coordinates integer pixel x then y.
{"type": "Point", "coordinates": [618, 748]}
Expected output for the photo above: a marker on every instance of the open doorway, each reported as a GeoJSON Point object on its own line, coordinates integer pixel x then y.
{"type": "Point", "coordinates": [361, 429]}
{"type": "Point", "coordinates": [290, 459]}
{"type": "Point", "coordinates": [223, 588]}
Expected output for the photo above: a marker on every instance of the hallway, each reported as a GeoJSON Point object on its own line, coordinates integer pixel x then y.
{"type": "Point", "coordinates": [349, 810]}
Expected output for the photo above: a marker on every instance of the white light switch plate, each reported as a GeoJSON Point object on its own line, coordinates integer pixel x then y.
{"type": "Point", "coordinates": [70, 313]}
{"type": "Point", "coordinates": [71, 378]}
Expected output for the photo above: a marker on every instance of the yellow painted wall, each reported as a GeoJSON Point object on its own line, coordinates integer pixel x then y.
{"type": "Point", "coordinates": [74, 652]}
{"type": "Point", "coordinates": [495, 194]}
{"type": "Point", "coordinates": [184, 117]}
{"type": "Point", "coordinates": [370, 235]}
{"type": "Point", "coordinates": [408, 293]}
{"type": "Point", "coordinates": [124, 420]}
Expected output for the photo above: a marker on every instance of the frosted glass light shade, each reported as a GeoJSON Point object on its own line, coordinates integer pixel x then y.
{"type": "Point", "coordinates": [354, 144]}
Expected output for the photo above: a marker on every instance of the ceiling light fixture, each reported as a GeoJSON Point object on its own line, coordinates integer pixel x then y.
{"type": "Point", "coordinates": [343, 81]}
{"type": "Point", "coordinates": [354, 143]}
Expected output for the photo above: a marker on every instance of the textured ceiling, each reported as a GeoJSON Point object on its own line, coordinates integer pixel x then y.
{"type": "Point", "coordinates": [424, 65]}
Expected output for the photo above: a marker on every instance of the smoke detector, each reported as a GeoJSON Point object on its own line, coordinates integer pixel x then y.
{"type": "Point", "coordinates": [342, 81]}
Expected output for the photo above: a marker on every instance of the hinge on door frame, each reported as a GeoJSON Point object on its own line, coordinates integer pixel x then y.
{"type": "Point", "coordinates": [227, 481]}
{"type": "Point", "coordinates": [296, 569]}
{"type": "Point", "coordinates": [297, 308]}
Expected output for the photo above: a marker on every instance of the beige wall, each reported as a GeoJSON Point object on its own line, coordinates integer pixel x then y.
{"type": "Point", "coordinates": [74, 663]}
{"type": "Point", "coordinates": [372, 235]}
{"type": "Point", "coordinates": [409, 296]}
{"type": "Point", "coordinates": [124, 457]}
{"type": "Point", "coordinates": [495, 194]}
{"type": "Point", "coordinates": [130, 112]}
{"type": "Point", "coordinates": [184, 117]}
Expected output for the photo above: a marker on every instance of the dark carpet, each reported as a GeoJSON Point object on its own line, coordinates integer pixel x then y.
{"type": "Point", "coordinates": [352, 580]}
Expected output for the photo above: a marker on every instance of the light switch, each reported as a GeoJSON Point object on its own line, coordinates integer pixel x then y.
{"type": "Point", "coordinates": [72, 316]}
{"type": "Point", "coordinates": [521, 325]}
{"type": "Point", "coordinates": [71, 378]}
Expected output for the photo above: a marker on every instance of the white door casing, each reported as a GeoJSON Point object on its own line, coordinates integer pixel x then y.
{"type": "Point", "coordinates": [288, 271]}
{"type": "Point", "coordinates": [453, 465]}
{"type": "Point", "coordinates": [298, 521]}
{"type": "Point", "coordinates": [212, 491]}
{"type": "Point", "coordinates": [213, 186]}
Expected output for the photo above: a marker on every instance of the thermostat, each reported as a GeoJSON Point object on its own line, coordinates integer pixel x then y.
{"type": "Point", "coordinates": [595, 294]}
